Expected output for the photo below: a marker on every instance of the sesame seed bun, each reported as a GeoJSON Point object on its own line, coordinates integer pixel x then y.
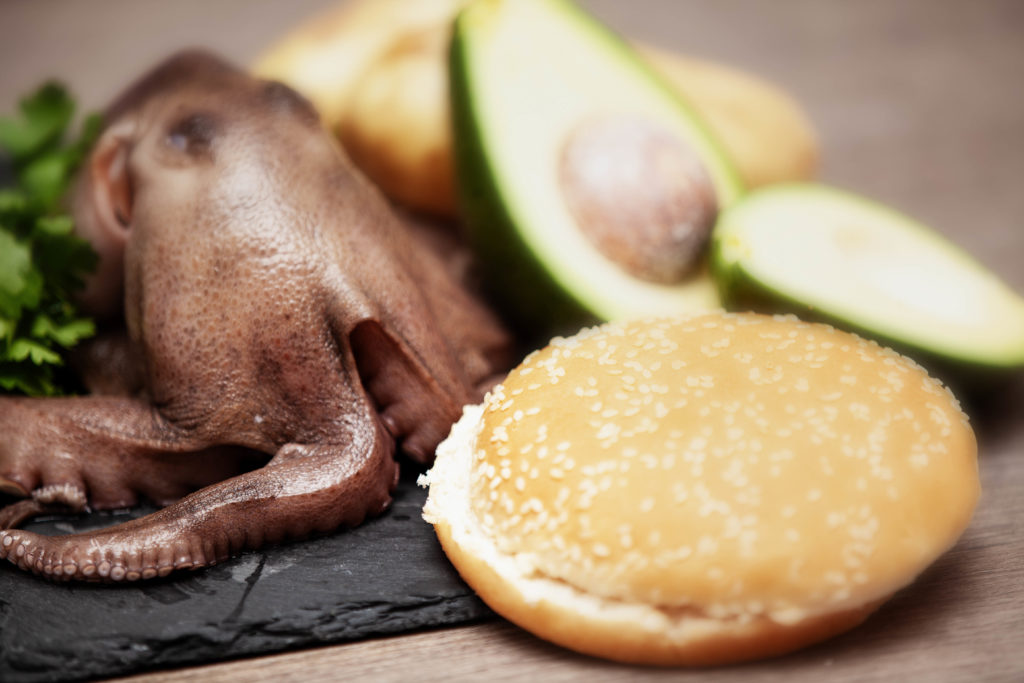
{"type": "Point", "coordinates": [702, 490]}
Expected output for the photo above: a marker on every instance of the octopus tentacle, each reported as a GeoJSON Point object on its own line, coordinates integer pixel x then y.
{"type": "Point", "coordinates": [110, 450]}
{"type": "Point", "coordinates": [411, 402]}
{"type": "Point", "coordinates": [314, 488]}
{"type": "Point", "coordinates": [57, 498]}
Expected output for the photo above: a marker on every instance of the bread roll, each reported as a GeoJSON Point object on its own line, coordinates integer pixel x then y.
{"type": "Point", "coordinates": [397, 124]}
{"type": "Point", "coordinates": [764, 130]}
{"type": "Point", "coordinates": [324, 56]}
{"type": "Point", "coordinates": [377, 72]}
{"type": "Point", "coordinates": [702, 490]}
{"type": "Point", "coordinates": [396, 127]}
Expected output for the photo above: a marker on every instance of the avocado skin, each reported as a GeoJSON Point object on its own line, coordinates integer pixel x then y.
{"type": "Point", "coordinates": [531, 299]}
{"type": "Point", "coordinates": [534, 303]}
{"type": "Point", "coordinates": [739, 291]}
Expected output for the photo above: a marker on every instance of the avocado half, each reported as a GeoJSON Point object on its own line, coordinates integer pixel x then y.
{"type": "Point", "coordinates": [828, 254]}
{"type": "Point", "coordinates": [526, 76]}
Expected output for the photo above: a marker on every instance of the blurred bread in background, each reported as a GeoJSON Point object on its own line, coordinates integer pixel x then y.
{"type": "Point", "coordinates": [377, 72]}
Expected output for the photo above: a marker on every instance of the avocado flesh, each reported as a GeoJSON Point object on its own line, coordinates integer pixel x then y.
{"type": "Point", "coordinates": [524, 75]}
{"type": "Point", "coordinates": [814, 249]}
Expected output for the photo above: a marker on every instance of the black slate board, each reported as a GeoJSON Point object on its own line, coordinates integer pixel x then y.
{"type": "Point", "coordinates": [387, 576]}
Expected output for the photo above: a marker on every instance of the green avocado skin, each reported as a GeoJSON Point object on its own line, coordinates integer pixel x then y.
{"type": "Point", "coordinates": [740, 291]}
{"type": "Point", "coordinates": [535, 304]}
{"type": "Point", "coordinates": [533, 301]}
{"type": "Point", "coordinates": [966, 377]}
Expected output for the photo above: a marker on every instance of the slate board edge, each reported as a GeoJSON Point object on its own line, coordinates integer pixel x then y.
{"type": "Point", "coordinates": [138, 657]}
{"type": "Point", "coordinates": [107, 655]}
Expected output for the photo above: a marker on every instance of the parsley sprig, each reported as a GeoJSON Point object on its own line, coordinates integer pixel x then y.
{"type": "Point", "coordinates": [42, 262]}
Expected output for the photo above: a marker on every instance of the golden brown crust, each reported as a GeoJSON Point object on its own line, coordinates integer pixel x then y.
{"type": "Point", "coordinates": [725, 642]}
{"type": "Point", "coordinates": [396, 127]}
{"type": "Point", "coordinates": [798, 464]}
{"type": "Point", "coordinates": [322, 58]}
{"type": "Point", "coordinates": [700, 490]}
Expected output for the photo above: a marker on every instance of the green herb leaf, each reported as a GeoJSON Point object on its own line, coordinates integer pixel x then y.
{"type": "Point", "coordinates": [42, 261]}
{"type": "Point", "coordinates": [13, 203]}
{"type": "Point", "coordinates": [66, 333]}
{"type": "Point", "coordinates": [29, 349]}
{"type": "Point", "coordinates": [15, 263]}
{"type": "Point", "coordinates": [44, 116]}
{"type": "Point", "coordinates": [44, 178]}
{"type": "Point", "coordinates": [54, 225]}
{"type": "Point", "coordinates": [27, 379]}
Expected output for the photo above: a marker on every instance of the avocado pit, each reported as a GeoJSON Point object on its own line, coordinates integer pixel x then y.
{"type": "Point", "coordinates": [640, 195]}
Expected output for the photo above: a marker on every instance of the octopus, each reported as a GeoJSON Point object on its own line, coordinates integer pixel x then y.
{"type": "Point", "coordinates": [280, 336]}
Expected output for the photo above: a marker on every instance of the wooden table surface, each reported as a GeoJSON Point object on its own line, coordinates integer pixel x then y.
{"type": "Point", "coordinates": [918, 103]}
